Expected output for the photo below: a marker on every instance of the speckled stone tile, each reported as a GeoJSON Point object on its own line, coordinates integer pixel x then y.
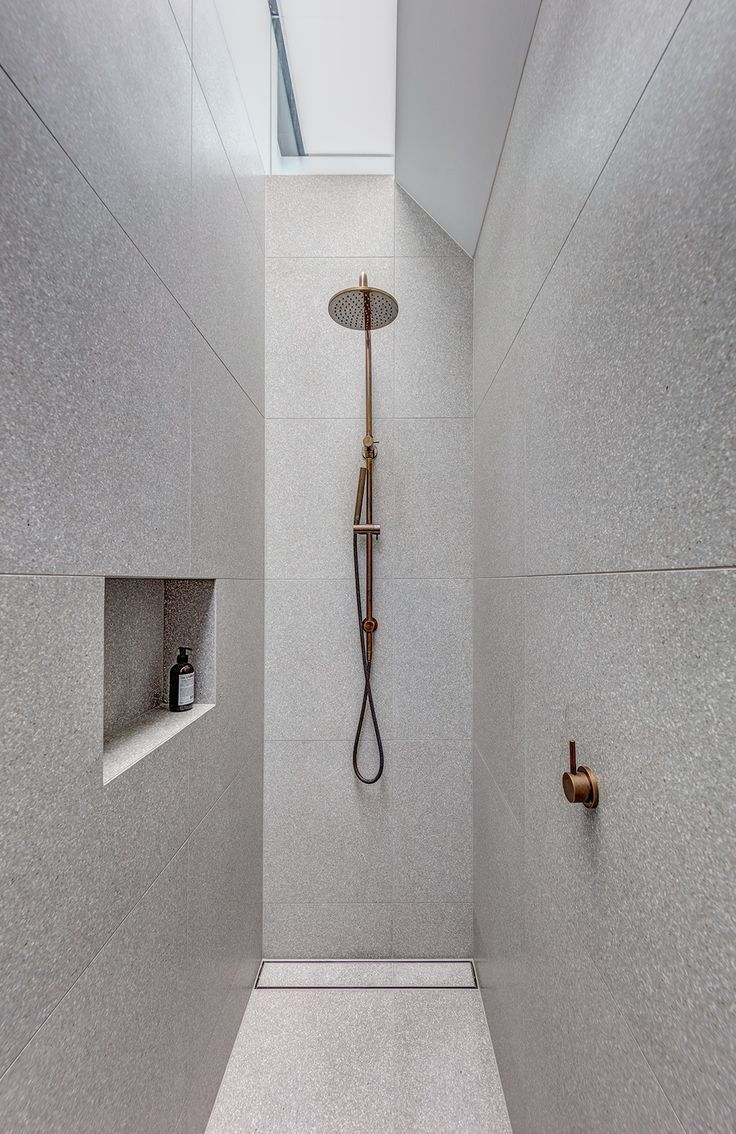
{"type": "Point", "coordinates": [499, 473]}
{"type": "Point", "coordinates": [575, 96]}
{"type": "Point", "coordinates": [314, 367]}
{"type": "Point", "coordinates": [638, 669]}
{"type": "Point", "coordinates": [327, 929]}
{"type": "Point", "coordinates": [427, 466]}
{"type": "Point", "coordinates": [182, 10]}
{"type": "Point", "coordinates": [446, 1074]}
{"type": "Point", "coordinates": [227, 473]}
{"type": "Point", "coordinates": [121, 1029]}
{"type": "Point", "coordinates": [432, 689]}
{"type": "Point", "coordinates": [498, 677]}
{"type": "Point", "coordinates": [630, 393]}
{"type": "Point", "coordinates": [326, 836]}
{"type": "Point", "coordinates": [216, 75]}
{"type": "Point", "coordinates": [310, 1061]}
{"type": "Point", "coordinates": [330, 216]}
{"type": "Point", "coordinates": [228, 279]}
{"type": "Point", "coordinates": [431, 833]}
{"type": "Point", "coordinates": [128, 62]}
{"type": "Point", "coordinates": [432, 929]}
{"type": "Point", "coordinates": [90, 336]}
{"type": "Point", "coordinates": [434, 337]}
{"type": "Point", "coordinates": [365, 1060]}
{"type": "Point", "coordinates": [416, 234]}
{"type": "Point", "coordinates": [134, 633]}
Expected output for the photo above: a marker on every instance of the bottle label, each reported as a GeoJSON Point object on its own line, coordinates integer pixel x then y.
{"type": "Point", "coordinates": [186, 688]}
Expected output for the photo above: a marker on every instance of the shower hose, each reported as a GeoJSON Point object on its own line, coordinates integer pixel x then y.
{"type": "Point", "coordinates": [367, 691]}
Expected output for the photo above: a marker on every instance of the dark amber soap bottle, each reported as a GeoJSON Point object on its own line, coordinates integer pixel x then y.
{"type": "Point", "coordinates": [181, 683]}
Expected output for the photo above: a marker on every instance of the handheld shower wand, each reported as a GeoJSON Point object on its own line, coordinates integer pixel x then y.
{"type": "Point", "coordinates": [366, 309]}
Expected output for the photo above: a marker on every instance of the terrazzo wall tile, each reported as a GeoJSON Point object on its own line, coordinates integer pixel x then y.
{"type": "Point", "coordinates": [134, 633]}
{"type": "Point", "coordinates": [434, 337]}
{"type": "Point", "coordinates": [112, 83]}
{"type": "Point", "coordinates": [655, 245]}
{"type": "Point", "coordinates": [432, 847]}
{"type": "Point", "coordinates": [587, 67]}
{"type": "Point", "coordinates": [227, 473]}
{"type": "Point", "coordinates": [601, 452]}
{"type": "Point", "coordinates": [433, 929]}
{"type": "Point", "coordinates": [97, 366]}
{"type": "Point", "coordinates": [326, 929]}
{"type": "Point", "coordinates": [330, 216]}
{"type": "Point", "coordinates": [122, 1028]}
{"type": "Point", "coordinates": [431, 521]}
{"type": "Point", "coordinates": [431, 689]}
{"type": "Point", "coordinates": [322, 233]}
{"type": "Point", "coordinates": [90, 335]}
{"type": "Point", "coordinates": [314, 368]}
{"type": "Point", "coordinates": [498, 675]}
{"type": "Point", "coordinates": [228, 277]}
{"type": "Point", "coordinates": [629, 652]}
{"type": "Point", "coordinates": [416, 234]}
{"type": "Point", "coordinates": [222, 92]}
{"type": "Point", "coordinates": [326, 839]}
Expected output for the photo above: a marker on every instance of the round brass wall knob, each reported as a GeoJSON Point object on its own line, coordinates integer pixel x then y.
{"type": "Point", "coordinates": [580, 784]}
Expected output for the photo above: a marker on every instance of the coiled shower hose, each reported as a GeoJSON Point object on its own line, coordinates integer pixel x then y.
{"type": "Point", "coordinates": [367, 691]}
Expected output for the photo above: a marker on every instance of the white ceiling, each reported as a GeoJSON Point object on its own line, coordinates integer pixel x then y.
{"type": "Point", "coordinates": [342, 57]}
{"type": "Point", "coordinates": [458, 69]}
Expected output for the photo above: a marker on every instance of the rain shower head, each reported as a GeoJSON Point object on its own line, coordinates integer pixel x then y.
{"type": "Point", "coordinates": [350, 307]}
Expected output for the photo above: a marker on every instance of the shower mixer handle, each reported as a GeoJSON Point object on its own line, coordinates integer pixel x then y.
{"type": "Point", "coordinates": [580, 784]}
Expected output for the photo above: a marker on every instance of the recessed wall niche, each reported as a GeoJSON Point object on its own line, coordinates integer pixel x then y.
{"type": "Point", "coordinates": [146, 620]}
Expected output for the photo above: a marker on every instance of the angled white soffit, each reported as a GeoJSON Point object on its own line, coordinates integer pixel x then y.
{"type": "Point", "coordinates": [457, 72]}
{"type": "Point", "coordinates": [342, 58]}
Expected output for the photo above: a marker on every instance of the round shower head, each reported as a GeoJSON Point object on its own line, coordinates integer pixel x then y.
{"type": "Point", "coordinates": [350, 307]}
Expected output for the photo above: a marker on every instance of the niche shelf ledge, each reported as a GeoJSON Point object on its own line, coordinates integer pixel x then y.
{"type": "Point", "coordinates": [125, 748]}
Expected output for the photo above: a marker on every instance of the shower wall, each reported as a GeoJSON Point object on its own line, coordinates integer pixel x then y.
{"type": "Point", "coordinates": [351, 869]}
{"type": "Point", "coordinates": [131, 286]}
{"type": "Point", "coordinates": [605, 285]}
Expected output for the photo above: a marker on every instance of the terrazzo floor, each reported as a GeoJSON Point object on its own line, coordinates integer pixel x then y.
{"type": "Point", "coordinates": [362, 1047]}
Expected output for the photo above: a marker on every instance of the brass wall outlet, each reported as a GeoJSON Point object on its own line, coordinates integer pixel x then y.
{"type": "Point", "coordinates": [580, 784]}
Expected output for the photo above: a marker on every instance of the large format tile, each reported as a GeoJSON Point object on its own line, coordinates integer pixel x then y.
{"type": "Point", "coordinates": [228, 283]}
{"type": "Point", "coordinates": [314, 674]}
{"type": "Point", "coordinates": [310, 517]}
{"type": "Point", "coordinates": [587, 66]}
{"type": "Point", "coordinates": [499, 942]}
{"type": "Point", "coordinates": [330, 216]}
{"type": "Point", "coordinates": [90, 336]}
{"type": "Point", "coordinates": [445, 1085]}
{"type": "Point", "coordinates": [434, 337]}
{"type": "Point", "coordinates": [637, 668]}
{"type": "Point", "coordinates": [431, 829]}
{"type": "Point", "coordinates": [112, 83]}
{"type": "Point", "coordinates": [230, 737]}
{"type": "Point", "coordinates": [326, 929]}
{"type": "Point", "coordinates": [498, 683]}
{"type": "Point", "coordinates": [428, 534]}
{"type": "Point", "coordinates": [499, 475]}
{"type": "Point", "coordinates": [227, 477]}
{"type": "Point", "coordinates": [77, 855]}
{"type": "Point", "coordinates": [112, 1058]}
{"type": "Point", "coordinates": [182, 10]}
{"type": "Point", "coordinates": [314, 367]}
{"type": "Point", "coordinates": [432, 929]}
{"type": "Point", "coordinates": [326, 835]}
{"type": "Point", "coordinates": [214, 1058]}
{"type": "Point", "coordinates": [428, 646]}
{"type": "Point", "coordinates": [630, 461]}
{"type": "Point", "coordinates": [581, 1042]}
{"type": "Point", "coordinates": [219, 84]}
{"type": "Point", "coordinates": [415, 232]}
{"type": "Point", "coordinates": [223, 888]}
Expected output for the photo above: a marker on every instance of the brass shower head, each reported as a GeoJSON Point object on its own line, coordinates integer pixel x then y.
{"type": "Point", "coordinates": [354, 306]}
